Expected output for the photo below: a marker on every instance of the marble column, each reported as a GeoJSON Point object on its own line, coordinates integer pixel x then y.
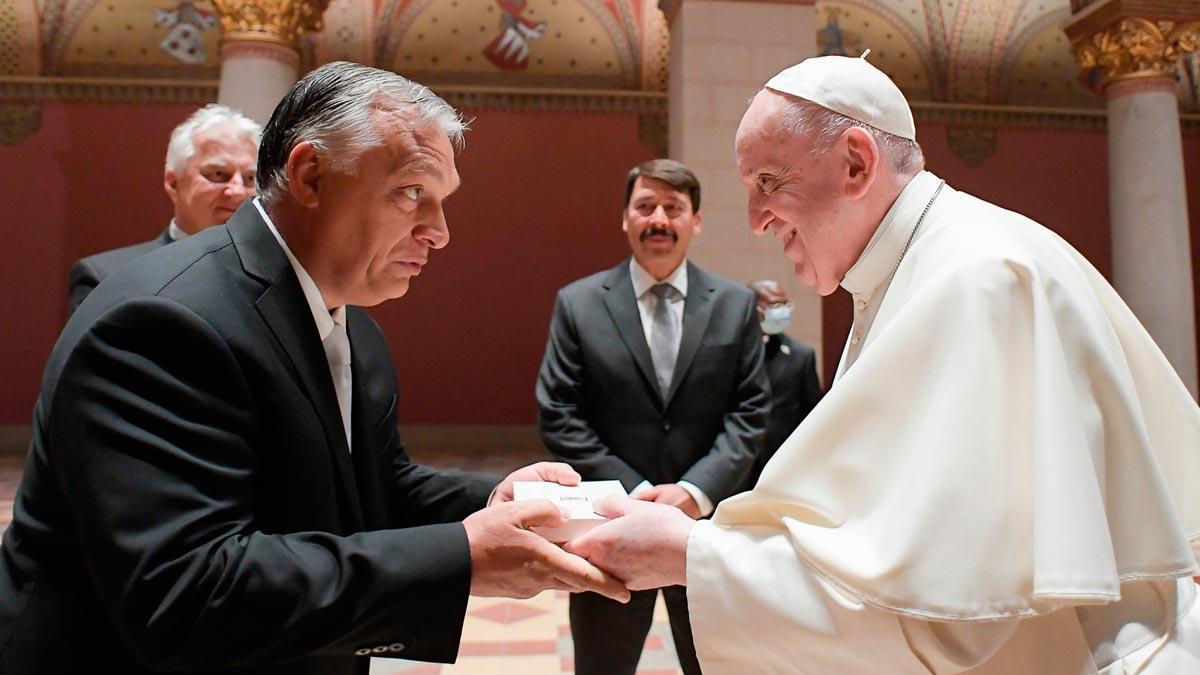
{"type": "Point", "coordinates": [259, 60]}
{"type": "Point", "coordinates": [1132, 61]}
{"type": "Point", "coordinates": [722, 52]}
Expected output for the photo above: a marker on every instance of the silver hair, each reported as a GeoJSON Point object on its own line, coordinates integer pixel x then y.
{"type": "Point", "coordinates": [334, 109]}
{"type": "Point", "coordinates": [182, 146]}
{"type": "Point", "coordinates": [803, 117]}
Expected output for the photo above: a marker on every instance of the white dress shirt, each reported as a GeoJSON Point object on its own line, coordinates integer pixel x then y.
{"type": "Point", "coordinates": [175, 232]}
{"type": "Point", "coordinates": [643, 281]}
{"type": "Point", "coordinates": [331, 327]}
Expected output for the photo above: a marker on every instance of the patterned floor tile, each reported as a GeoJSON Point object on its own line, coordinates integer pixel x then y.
{"type": "Point", "coordinates": [507, 612]}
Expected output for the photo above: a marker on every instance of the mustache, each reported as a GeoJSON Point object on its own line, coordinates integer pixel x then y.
{"type": "Point", "coordinates": [658, 231]}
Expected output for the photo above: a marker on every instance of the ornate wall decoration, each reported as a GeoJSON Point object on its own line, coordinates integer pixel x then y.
{"type": "Point", "coordinates": [593, 44]}
{"type": "Point", "coordinates": [1134, 47]}
{"type": "Point", "coordinates": [982, 55]}
{"type": "Point", "coordinates": [280, 21]}
{"type": "Point", "coordinates": [972, 145]}
{"type": "Point", "coordinates": [20, 55]}
{"type": "Point", "coordinates": [18, 122]}
{"type": "Point", "coordinates": [20, 40]}
{"type": "Point", "coordinates": [187, 24]}
{"type": "Point", "coordinates": [158, 39]}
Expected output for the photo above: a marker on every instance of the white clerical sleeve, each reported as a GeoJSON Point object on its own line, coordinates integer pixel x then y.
{"type": "Point", "coordinates": [759, 611]}
{"type": "Point", "coordinates": [997, 452]}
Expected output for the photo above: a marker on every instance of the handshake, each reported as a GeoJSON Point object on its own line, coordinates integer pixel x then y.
{"type": "Point", "coordinates": [642, 544]}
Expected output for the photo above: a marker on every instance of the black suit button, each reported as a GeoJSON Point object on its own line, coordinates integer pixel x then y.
{"type": "Point", "coordinates": [666, 426]}
{"type": "Point", "coordinates": [396, 647]}
{"type": "Point", "coordinates": [365, 651]}
{"type": "Point", "coordinates": [381, 649]}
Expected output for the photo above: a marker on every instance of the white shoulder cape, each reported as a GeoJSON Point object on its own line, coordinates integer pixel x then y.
{"type": "Point", "coordinates": [1010, 440]}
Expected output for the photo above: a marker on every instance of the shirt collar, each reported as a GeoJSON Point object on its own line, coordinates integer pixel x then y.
{"type": "Point", "coordinates": [643, 281]}
{"type": "Point", "coordinates": [879, 258]}
{"type": "Point", "coordinates": [316, 303]}
{"type": "Point", "coordinates": [175, 232]}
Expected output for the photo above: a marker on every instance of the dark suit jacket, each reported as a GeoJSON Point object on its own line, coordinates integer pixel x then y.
{"type": "Point", "coordinates": [87, 273]}
{"type": "Point", "coordinates": [601, 410]}
{"type": "Point", "coordinates": [795, 391]}
{"type": "Point", "coordinates": [189, 502]}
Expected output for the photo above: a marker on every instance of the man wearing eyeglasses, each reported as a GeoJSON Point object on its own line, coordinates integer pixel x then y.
{"type": "Point", "coordinates": [791, 368]}
{"type": "Point", "coordinates": [653, 376]}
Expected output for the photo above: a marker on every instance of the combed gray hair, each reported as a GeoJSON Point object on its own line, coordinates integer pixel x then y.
{"type": "Point", "coordinates": [803, 117]}
{"type": "Point", "coordinates": [182, 146]}
{"type": "Point", "coordinates": [333, 108]}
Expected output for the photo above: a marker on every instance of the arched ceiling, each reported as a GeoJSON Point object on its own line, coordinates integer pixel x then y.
{"type": "Point", "coordinates": [1004, 52]}
{"type": "Point", "coordinates": [596, 44]}
{"type": "Point", "coordinates": [962, 51]}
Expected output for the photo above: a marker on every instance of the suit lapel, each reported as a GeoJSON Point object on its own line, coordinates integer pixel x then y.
{"type": "Point", "coordinates": [622, 307]}
{"type": "Point", "coordinates": [697, 310]}
{"type": "Point", "coordinates": [286, 312]}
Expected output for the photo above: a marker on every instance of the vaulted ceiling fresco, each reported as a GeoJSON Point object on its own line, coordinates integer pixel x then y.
{"type": "Point", "coordinates": [962, 51]}
{"type": "Point", "coordinates": [594, 44]}
{"type": "Point", "coordinates": [997, 52]}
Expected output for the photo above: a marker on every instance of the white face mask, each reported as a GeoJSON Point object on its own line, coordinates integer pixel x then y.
{"type": "Point", "coordinates": [775, 319]}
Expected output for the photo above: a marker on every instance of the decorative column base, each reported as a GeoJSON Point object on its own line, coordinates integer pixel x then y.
{"type": "Point", "coordinates": [1152, 266]}
{"type": "Point", "coordinates": [255, 74]}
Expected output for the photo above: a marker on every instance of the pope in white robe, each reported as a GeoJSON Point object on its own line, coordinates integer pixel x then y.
{"type": "Point", "coordinates": [1005, 475]}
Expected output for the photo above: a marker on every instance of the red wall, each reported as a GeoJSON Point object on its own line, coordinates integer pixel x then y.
{"type": "Point", "coordinates": [87, 180]}
{"type": "Point", "coordinates": [1058, 178]}
{"type": "Point", "coordinates": [539, 206]}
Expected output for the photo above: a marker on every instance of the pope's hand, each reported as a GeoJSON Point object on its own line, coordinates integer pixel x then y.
{"type": "Point", "coordinates": [644, 544]}
{"type": "Point", "coordinates": [552, 472]}
{"type": "Point", "coordinates": [509, 560]}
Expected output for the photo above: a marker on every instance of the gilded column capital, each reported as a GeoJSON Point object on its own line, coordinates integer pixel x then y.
{"type": "Point", "coordinates": [280, 22]}
{"type": "Point", "coordinates": [1121, 40]}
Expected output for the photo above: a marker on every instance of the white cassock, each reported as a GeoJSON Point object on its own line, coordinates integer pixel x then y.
{"type": "Point", "coordinates": [1004, 478]}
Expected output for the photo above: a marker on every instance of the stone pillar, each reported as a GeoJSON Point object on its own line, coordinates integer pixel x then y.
{"type": "Point", "coordinates": [722, 52]}
{"type": "Point", "coordinates": [1132, 60]}
{"type": "Point", "coordinates": [259, 60]}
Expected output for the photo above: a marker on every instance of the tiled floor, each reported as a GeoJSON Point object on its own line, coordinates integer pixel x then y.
{"type": "Point", "coordinates": [500, 637]}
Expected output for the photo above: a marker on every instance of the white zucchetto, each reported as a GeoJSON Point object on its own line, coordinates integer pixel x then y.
{"type": "Point", "coordinates": [851, 87]}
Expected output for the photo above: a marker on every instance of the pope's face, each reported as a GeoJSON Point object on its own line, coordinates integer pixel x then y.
{"type": "Point", "coordinates": [794, 196]}
{"type": "Point", "coordinates": [216, 179]}
{"type": "Point", "coordinates": [375, 226]}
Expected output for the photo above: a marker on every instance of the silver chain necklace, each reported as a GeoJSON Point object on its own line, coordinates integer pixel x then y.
{"type": "Point", "coordinates": [913, 234]}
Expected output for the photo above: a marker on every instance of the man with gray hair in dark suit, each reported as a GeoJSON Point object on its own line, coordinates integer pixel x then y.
{"type": "Point", "coordinates": [208, 173]}
{"type": "Point", "coordinates": [216, 481]}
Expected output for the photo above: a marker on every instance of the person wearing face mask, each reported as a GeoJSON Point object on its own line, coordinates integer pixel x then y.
{"type": "Point", "coordinates": [791, 368]}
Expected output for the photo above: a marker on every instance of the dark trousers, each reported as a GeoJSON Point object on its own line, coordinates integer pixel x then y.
{"type": "Point", "coordinates": [609, 636]}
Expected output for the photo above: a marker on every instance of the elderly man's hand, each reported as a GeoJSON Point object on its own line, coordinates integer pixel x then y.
{"type": "Point", "coordinates": [509, 560]}
{"type": "Point", "coordinates": [643, 544]}
{"type": "Point", "coordinates": [553, 472]}
{"type": "Point", "coordinates": [670, 494]}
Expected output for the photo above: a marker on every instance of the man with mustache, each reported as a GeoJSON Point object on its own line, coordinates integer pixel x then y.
{"type": "Point", "coordinates": [209, 172]}
{"type": "Point", "coordinates": [654, 376]}
{"type": "Point", "coordinates": [1002, 478]}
